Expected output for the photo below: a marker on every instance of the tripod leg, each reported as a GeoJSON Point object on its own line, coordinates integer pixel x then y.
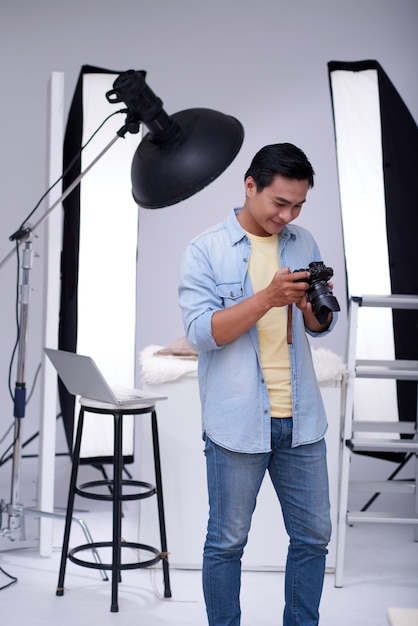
{"type": "Point", "coordinates": [391, 477]}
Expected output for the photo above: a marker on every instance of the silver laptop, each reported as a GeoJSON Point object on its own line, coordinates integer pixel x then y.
{"type": "Point", "coordinates": [81, 377]}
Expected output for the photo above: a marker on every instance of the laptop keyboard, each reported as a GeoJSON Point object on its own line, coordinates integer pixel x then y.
{"type": "Point", "coordinates": [128, 395]}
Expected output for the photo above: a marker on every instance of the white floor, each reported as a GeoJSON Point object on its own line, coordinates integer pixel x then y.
{"type": "Point", "coordinates": [381, 571]}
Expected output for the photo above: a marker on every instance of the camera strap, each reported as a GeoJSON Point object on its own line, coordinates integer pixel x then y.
{"type": "Point", "coordinates": [289, 323]}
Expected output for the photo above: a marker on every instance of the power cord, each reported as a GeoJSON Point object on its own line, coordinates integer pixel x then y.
{"type": "Point", "coordinates": [12, 581]}
{"type": "Point", "coordinates": [22, 227]}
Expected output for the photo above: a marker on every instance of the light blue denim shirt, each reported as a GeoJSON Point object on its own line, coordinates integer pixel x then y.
{"type": "Point", "coordinates": [233, 393]}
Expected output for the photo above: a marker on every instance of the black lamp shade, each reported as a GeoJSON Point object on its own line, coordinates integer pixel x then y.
{"type": "Point", "coordinates": [170, 170]}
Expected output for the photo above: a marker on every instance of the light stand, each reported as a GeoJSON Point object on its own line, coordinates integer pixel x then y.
{"type": "Point", "coordinates": [177, 158]}
{"type": "Point", "coordinates": [14, 509]}
{"type": "Point", "coordinates": [24, 236]}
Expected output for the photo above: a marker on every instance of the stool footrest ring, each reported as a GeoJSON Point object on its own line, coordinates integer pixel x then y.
{"type": "Point", "coordinates": [108, 566]}
{"type": "Point", "coordinates": [81, 490]}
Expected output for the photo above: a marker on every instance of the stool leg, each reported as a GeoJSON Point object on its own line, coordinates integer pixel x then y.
{"type": "Point", "coordinates": [70, 504]}
{"type": "Point", "coordinates": [117, 511]}
{"type": "Point", "coordinates": [160, 501]}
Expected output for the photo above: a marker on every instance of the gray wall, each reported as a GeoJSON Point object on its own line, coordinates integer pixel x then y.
{"type": "Point", "coordinates": [264, 62]}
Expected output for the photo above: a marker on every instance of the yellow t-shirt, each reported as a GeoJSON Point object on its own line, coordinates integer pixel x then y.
{"type": "Point", "coordinates": [272, 334]}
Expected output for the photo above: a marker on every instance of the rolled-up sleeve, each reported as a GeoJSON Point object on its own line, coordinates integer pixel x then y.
{"type": "Point", "coordinates": [198, 297]}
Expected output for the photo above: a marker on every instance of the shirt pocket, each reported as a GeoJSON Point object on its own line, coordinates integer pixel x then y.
{"type": "Point", "coordinates": [230, 293]}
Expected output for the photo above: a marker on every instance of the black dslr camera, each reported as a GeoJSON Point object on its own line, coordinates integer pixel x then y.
{"type": "Point", "coordinates": [319, 294]}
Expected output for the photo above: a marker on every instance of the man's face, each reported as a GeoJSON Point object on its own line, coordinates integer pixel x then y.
{"type": "Point", "coordinates": [267, 213]}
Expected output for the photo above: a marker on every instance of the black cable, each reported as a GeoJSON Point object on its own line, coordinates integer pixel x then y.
{"type": "Point", "coordinates": [70, 165]}
{"type": "Point", "coordinates": [6, 433]}
{"type": "Point", "coordinates": [3, 458]}
{"type": "Point", "coordinates": [68, 168]}
{"type": "Point", "coordinates": [35, 378]}
{"type": "Point", "coordinates": [17, 322]}
{"type": "Point", "coordinates": [13, 579]}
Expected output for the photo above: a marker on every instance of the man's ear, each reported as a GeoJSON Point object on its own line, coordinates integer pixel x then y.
{"type": "Point", "coordinates": [250, 187]}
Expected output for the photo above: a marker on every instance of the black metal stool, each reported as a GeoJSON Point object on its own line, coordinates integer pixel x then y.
{"type": "Point", "coordinates": [117, 496]}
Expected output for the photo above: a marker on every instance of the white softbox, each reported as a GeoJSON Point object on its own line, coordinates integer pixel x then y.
{"type": "Point", "coordinates": [99, 257]}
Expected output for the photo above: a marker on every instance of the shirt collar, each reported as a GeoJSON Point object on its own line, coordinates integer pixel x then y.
{"type": "Point", "coordinates": [237, 233]}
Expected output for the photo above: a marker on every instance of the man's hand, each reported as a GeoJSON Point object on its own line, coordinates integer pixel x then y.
{"type": "Point", "coordinates": [311, 321]}
{"type": "Point", "coordinates": [285, 288]}
{"type": "Point", "coordinates": [230, 323]}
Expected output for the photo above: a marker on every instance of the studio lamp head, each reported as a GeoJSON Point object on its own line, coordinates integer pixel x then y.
{"type": "Point", "coordinates": [181, 154]}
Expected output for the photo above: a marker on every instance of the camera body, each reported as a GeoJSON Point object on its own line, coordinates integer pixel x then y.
{"type": "Point", "coordinates": [319, 294]}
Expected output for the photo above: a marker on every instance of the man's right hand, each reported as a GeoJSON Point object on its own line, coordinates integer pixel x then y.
{"type": "Point", "coordinates": [285, 289]}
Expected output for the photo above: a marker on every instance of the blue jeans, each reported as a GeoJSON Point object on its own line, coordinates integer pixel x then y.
{"type": "Point", "coordinates": [300, 478]}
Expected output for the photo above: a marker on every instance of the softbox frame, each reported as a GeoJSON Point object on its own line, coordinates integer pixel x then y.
{"type": "Point", "coordinates": [70, 260]}
{"type": "Point", "coordinates": [399, 156]}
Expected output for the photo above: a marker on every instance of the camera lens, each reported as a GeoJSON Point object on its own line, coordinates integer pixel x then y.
{"type": "Point", "coordinates": [322, 300]}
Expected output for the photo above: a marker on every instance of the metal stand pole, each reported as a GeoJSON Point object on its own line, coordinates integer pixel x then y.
{"type": "Point", "coordinates": [14, 509]}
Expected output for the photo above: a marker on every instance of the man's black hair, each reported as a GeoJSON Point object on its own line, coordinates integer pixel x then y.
{"type": "Point", "coordinates": [280, 158]}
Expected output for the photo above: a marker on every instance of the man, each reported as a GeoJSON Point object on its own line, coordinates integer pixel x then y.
{"type": "Point", "coordinates": [246, 312]}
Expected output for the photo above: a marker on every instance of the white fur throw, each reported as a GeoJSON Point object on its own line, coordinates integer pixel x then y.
{"type": "Point", "coordinates": [157, 369]}
{"type": "Point", "coordinates": [328, 365]}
